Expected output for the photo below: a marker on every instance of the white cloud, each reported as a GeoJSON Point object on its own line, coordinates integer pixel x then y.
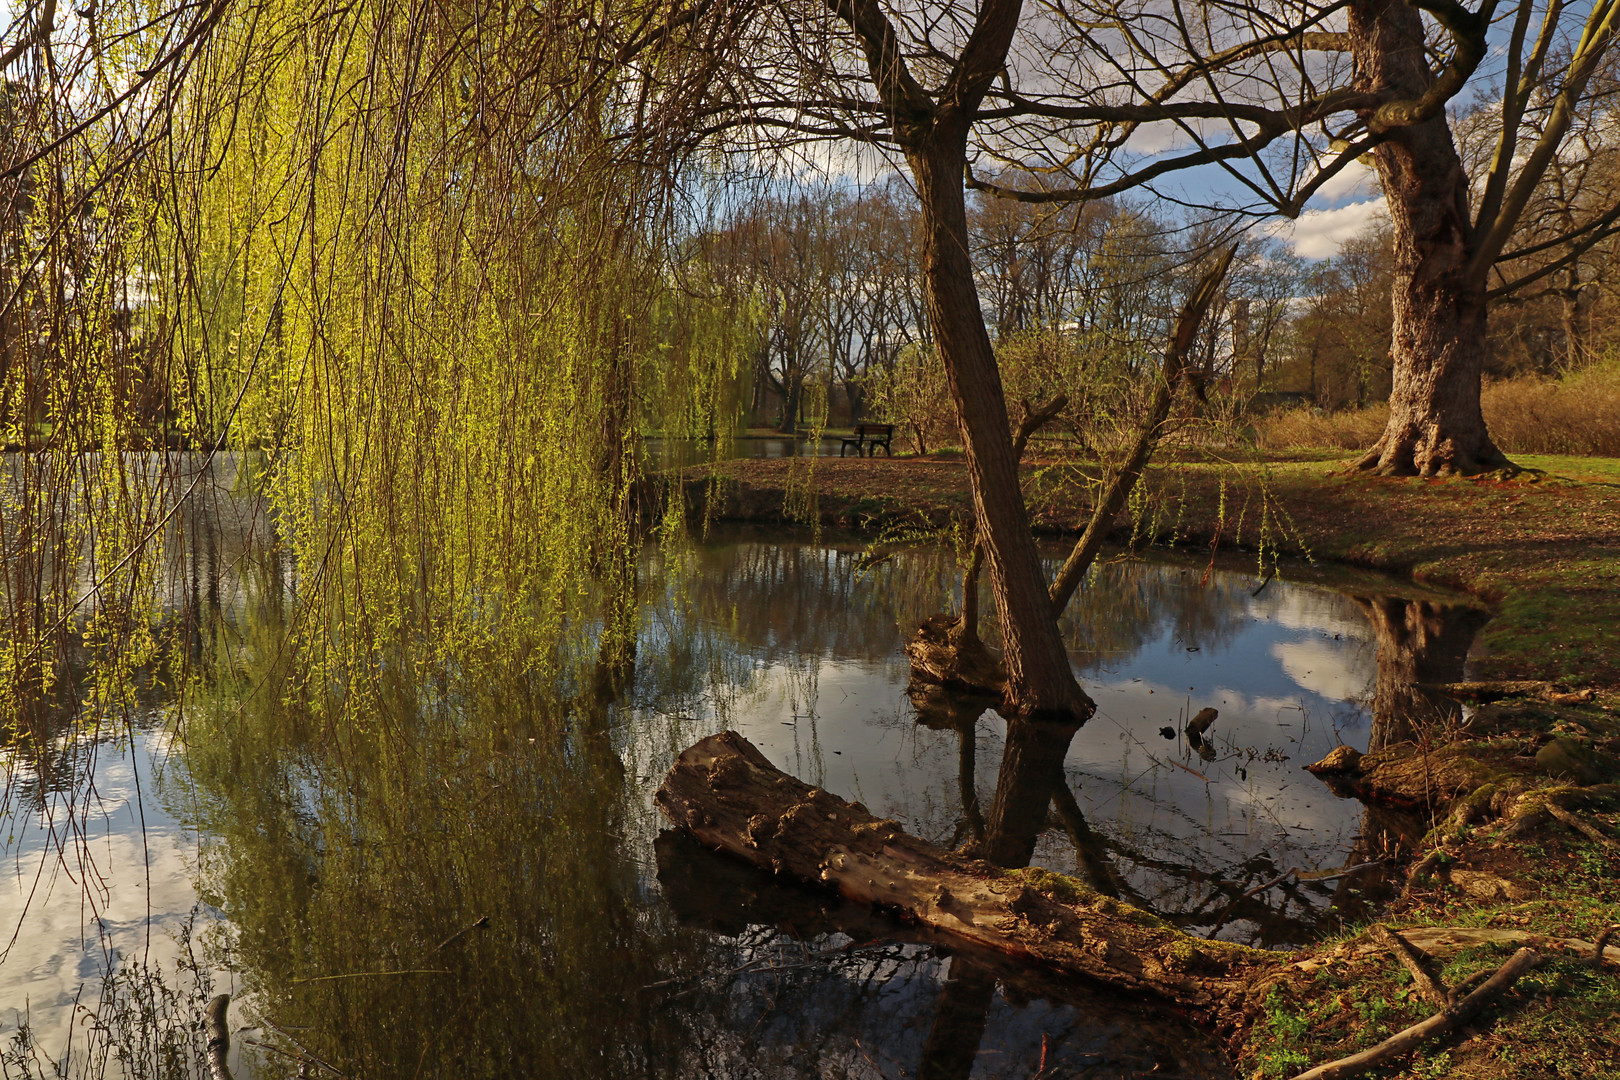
{"type": "Point", "coordinates": [1318, 234]}
{"type": "Point", "coordinates": [1355, 180]}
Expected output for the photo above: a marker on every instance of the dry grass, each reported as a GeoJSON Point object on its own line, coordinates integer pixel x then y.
{"type": "Point", "coordinates": [1578, 415]}
{"type": "Point", "coordinates": [1299, 429]}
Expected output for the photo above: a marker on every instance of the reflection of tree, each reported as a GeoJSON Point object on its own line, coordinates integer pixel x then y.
{"type": "Point", "coordinates": [347, 852]}
{"type": "Point", "coordinates": [1029, 781]}
{"type": "Point", "coordinates": [1418, 642]}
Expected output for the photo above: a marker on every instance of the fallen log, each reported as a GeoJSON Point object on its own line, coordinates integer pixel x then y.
{"type": "Point", "coordinates": [726, 794]}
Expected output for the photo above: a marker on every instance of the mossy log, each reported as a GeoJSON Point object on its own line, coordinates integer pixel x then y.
{"type": "Point", "coordinates": [726, 794]}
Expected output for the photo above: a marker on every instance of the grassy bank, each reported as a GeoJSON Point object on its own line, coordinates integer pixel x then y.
{"type": "Point", "coordinates": [1527, 852]}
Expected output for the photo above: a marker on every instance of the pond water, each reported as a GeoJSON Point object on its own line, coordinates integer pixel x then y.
{"type": "Point", "coordinates": [497, 896]}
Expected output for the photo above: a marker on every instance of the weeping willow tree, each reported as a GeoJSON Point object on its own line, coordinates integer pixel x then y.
{"type": "Point", "coordinates": [400, 274]}
{"type": "Point", "coordinates": [407, 259]}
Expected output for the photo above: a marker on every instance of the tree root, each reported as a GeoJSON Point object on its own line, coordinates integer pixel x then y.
{"type": "Point", "coordinates": [1585, 828]}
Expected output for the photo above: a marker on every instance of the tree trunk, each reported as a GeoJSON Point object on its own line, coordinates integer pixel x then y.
{"type": "Point", "coordinates": [1438, 345]}
{"type": "Point", "coordinates": [730, 797]}
{"type": "Point", "coordinates": [792, 390]}
{"type": "Point", "coordinates": [1040, 680]}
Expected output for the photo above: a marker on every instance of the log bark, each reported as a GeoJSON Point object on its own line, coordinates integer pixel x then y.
{"type": "Point", "coordinates": [725, 793]}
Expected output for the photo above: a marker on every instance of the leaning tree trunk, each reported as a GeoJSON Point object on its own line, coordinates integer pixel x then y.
{"type": "Point", "coordinates": [1040, 680]}
{"type": "Point", "coordinates": [1437, 349]}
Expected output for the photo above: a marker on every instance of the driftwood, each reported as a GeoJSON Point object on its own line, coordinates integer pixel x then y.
{"type": "Point", "coordinates": [219, 1037]}
{"type": "Point", "coordinates": [1426, 981]}
{"type": "Point", "coordinates": [1200, 724]}
{"type": "Point", "coordinates": [1441, 1023]}
{"type": "Point", "coordinates": [725, 793]}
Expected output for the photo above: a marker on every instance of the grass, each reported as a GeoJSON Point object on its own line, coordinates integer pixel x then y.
{"type": "Point", "coordinates": [1558, 1021]}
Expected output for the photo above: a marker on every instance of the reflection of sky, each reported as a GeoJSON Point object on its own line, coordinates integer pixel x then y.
{"type": "Point", "coordinates": [796, 649]}
{"type": "Point", "coordinates": [1288, 670]}
{"type": "Point", "coordinates": [115, 881]}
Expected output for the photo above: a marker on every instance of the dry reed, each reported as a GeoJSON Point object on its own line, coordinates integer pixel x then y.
{"type": "Point", "coordinates": [1527, 415]}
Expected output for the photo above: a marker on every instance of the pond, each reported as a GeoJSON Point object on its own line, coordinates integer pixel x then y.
{"type": "Point", "coordinates": [486, 889]}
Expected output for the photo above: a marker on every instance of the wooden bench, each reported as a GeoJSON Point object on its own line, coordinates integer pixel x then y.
{"type": "Point", "coordinates": [869, 437]}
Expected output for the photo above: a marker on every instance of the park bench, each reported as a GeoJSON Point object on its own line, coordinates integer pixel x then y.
{"type": "Point", "coordinates": [869, 437]}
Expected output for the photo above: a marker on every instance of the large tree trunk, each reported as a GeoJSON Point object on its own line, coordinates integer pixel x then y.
{"type": "Point", "coordinates": [1438, 347]}
{"type": "Point", "coordinates": [1040, 680]}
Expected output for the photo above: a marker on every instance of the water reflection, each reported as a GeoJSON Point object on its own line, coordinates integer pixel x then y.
{"type": "Point", "coordinates": [347, 841]}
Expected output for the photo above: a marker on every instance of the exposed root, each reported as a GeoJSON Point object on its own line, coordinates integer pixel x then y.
{"type": "Point", "coordinates": [1426, 455]}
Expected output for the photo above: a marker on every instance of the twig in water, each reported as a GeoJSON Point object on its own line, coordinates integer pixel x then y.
{"type": "Point", "coordinates": [1269, 575]}
{"type": "Point", "coordinates": [368, 974]}
{"type": "Point", "coordinates": [1304, 876]}
{"type": "Point", "coordinates": [1441, 1023]}
{"type": "Point", "coordinates": [482, 921]}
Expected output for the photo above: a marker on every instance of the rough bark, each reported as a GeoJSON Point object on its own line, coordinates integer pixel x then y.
{"type": "Point", "coordinates": [1404, 775]}
{"type": "Point", "coordinates": [726, 794]}
{"type": "Point", "coordinates": [1040, 680]}
{"type": "Point", "coordinates": [1437, 351]}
